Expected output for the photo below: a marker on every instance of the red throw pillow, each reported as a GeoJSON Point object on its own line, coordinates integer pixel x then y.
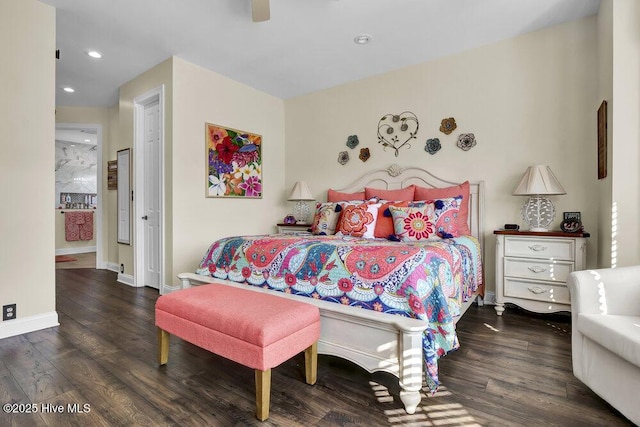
{"type": "Point", "coordinates": [423, 193]}
{"type": "Point", "coordinates": [384, 225]}
{"type": "Point", "coordinates": [403, 194]}
{"type": "Point", "coordinates": [337, 196]}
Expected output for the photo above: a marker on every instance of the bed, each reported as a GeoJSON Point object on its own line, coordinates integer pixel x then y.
{"type": "Point", "coordinates": [365, 317]}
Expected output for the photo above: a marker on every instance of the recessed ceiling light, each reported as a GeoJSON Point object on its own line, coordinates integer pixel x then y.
{"type": "Point", "coordinates": [94, 54]}
{"type": "Point", "coordinates": [87, 140]}
{"type": "Point", "coordinates": [362, 39]}
{"type": "Point", "coordinates": [68, 89]}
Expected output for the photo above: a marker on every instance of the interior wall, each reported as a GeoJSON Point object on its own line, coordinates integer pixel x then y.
{"type": "Point", "coordinates": [202, 96]}
{"type": "Point", "coordinates": [626, 131]}
{"type": "Point", "coordinates": [27, 136]}
{"type": "Point", "coordinates": [155, 77]}
{"type": "Point", "coordinates": [528, 100]}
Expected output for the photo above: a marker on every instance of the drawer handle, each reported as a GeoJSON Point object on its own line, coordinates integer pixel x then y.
{"type": "Point", "coordinates": [538, 290]}
{"type": "Point", "coordinates": [537, 269]}
{"type": "Point", "coordinates": [538, 248]}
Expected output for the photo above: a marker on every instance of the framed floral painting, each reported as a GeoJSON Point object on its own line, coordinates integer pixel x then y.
{"type": "Point", "coordinates": [234, 162]}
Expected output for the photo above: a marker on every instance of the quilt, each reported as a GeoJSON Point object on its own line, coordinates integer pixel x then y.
{"type": "Point", "coordinates": [423, 280]}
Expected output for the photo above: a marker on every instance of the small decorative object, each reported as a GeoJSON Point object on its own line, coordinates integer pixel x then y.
{"type": "Point", "coordinates": [289, 219]}
{"type": "Point", "coordinates": [343, 157]}
{"type": "Point", "coordinates": [466, 141]}
{"type": "Point", "coordinates": [112, 175]}
{"type": "Point", "coordinates": [571, 222]}
{"type": "Point", "coordinates": [432, 146]}
{"type": "Point", "coordinates": [394, 170]}
{"type": "Point", "coordinates": [364, 154]}
{"type": "Point", "coordinates": [538, 181]}
{"type": "Point", "coordinates": [301, 194]}
{"type": "Point", "coordinates": [234, 162]}
{"type": "Point", "coordinates": [448, 125]}
{"type": "Point", "coordinates": [396, 130]}
{"type": "Point", "coordinates": [352, 141]}
{"type": "Point", "coordinates": [602, 140]}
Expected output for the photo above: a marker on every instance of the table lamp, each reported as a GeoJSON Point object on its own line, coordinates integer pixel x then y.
{"type": "Point", "coordinates": [301, 194]}
{"type": "Point", "coordinates": [537, 182]}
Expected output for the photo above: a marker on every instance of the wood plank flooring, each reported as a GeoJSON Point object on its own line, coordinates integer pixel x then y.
{"type": "Point", "coordinates": [510, 370]}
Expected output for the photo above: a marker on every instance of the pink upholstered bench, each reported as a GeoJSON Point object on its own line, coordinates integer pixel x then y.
{"type": "Point", "coordinates": [251, 328]}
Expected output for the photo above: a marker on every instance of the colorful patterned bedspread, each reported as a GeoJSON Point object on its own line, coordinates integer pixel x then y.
{"type": "Point", "coordinates": [424, 280]}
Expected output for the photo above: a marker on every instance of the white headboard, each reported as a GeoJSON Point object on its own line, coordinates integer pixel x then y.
{"type": "Point", "coordinates": [395, 177]}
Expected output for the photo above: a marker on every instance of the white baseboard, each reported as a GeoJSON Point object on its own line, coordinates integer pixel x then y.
{"type": "Point", "coordinates": [166, 289]}
{"type": "Point", "coordinates": [23, 325]}
{"type": "Point", "coordinates": [71, 251]}
{"type": "Point", "coordinates": [126, 279]}
{"type": "Point", "coordinates": [112, 266]}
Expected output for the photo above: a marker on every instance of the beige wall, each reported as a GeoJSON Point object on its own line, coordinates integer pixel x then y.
{"type": "Point", "coordinates": [157, 76]}
{"type": "Point", "coordinates": [27, 28]}
{"type": "Point", "coordinates": [202, 96]}
{"type": "Point", "coordinates": [626, 131]}
{"type": "Point", "coordinates": [529, 100]}
{"type": "Point", "coordinates": [605, 93]}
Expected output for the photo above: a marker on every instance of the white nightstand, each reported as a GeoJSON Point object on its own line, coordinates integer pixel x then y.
{"type": "Point", "coordinates": [532, 268]}
{"type": "Point", "coordinates": [293, 228]}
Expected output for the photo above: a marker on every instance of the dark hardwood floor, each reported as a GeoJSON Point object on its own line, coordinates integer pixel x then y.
{"type": "Point", "coordinates": [510, 370]}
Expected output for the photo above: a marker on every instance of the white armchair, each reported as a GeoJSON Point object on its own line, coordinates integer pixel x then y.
{"type": "Point", "coordinates": [605, 338]}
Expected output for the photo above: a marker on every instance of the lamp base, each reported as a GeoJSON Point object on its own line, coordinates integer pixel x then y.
{"type": "Point", "coordinates": [538, 213]}
{"type": "Point", "coordinates": [301, 212]}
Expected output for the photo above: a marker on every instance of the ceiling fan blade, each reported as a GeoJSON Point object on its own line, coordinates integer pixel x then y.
{"type": "Point", "coordinates": [260, 10]}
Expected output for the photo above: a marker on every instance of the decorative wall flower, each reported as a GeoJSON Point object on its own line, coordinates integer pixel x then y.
{"type": "Point", "coordinates": [466, 141]}
{"type": "Point", "coordinates": [448, 125]}
{"type": "Point", "coordinates": [364, 154]}
{"type": "Point", "coordinates": [432, 146]}
{"type": "Point", "coordinates": [343, 157]}
{"type": "Point", "coordinates": [352, 141]}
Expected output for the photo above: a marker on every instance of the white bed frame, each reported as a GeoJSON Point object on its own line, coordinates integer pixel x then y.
{"type": "Point", "coordinates": [377, 341]}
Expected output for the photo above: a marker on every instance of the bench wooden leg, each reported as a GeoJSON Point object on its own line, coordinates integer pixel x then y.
{"type": "Point", "coordinates": [263, 393]}
{"type": "Point", "coordinates": [163, 347]}
{"type": "Point", "coordinates": [311, 363]}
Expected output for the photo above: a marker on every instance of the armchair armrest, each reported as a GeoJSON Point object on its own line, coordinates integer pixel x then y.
{"type": "Point", "coordinates": [606, 291]}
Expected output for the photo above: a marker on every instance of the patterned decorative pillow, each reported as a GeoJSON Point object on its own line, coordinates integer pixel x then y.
{"type": "Point", "coordinates": [326, 218]}
{"type": "Point", "coordinates": [447, 216]}
{"type": "Point", "coordinates": [414, 222]}
{"type": "Point", "coordinates": [430, 194]}
{"type": "Point", "coordinates": [358, 220]}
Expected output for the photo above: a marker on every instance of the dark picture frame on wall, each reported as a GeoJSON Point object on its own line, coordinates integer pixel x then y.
{"type": "Point", "coordinates": [602, 140]}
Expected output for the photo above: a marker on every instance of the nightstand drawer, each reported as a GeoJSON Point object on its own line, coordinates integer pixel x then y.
{"type": "Point", "coordinates": [536, 291]}
{"type": "Point", "coordinates": [557, 271]}
{"type": "Point", "coordinates": [563, 249]}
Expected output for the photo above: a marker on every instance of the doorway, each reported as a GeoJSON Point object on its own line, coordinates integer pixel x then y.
{"type": "Point", "coordinates": [149, 189]}
{"type": "Point", "coordinates": [79, 189]}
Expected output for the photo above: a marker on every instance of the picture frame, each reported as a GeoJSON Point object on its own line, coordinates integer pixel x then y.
{"type": "Point", "coordinates": [576, 216]}
{"type": "Point", "coordinates": [233, 163]}
{"type": "Point", "coordinates": [602, 140]}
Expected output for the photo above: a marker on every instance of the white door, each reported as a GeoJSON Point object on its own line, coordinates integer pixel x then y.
{"type": "Point", "coordinates": [151, 195]}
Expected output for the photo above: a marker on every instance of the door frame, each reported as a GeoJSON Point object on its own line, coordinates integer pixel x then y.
{"type": "Point", "coordinates": [100, 262]}
{"type": "Point", "coordinates": [139, 104]}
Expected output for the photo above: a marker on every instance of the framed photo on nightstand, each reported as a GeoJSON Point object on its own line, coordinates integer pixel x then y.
{"type": "Point", "coordinates": [571, 222]}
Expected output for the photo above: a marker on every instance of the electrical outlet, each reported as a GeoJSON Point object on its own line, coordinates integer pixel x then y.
{"type": "Point", "coordinates": [8, 312]}
{"type": "Point", "coordinates": [121, 268]}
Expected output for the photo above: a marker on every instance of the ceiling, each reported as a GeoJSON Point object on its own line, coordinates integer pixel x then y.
{"type": "Point", "coordinates": [306, 46]}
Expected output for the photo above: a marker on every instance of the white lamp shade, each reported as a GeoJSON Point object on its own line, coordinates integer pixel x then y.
{"type": "Point", "coordinates": [300, 192]}
{"type": "Point", "coordinates": [538, 179]}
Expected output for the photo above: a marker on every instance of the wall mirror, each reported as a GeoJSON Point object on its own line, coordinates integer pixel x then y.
{"type": "Point", "coordinates": [124, 196]}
